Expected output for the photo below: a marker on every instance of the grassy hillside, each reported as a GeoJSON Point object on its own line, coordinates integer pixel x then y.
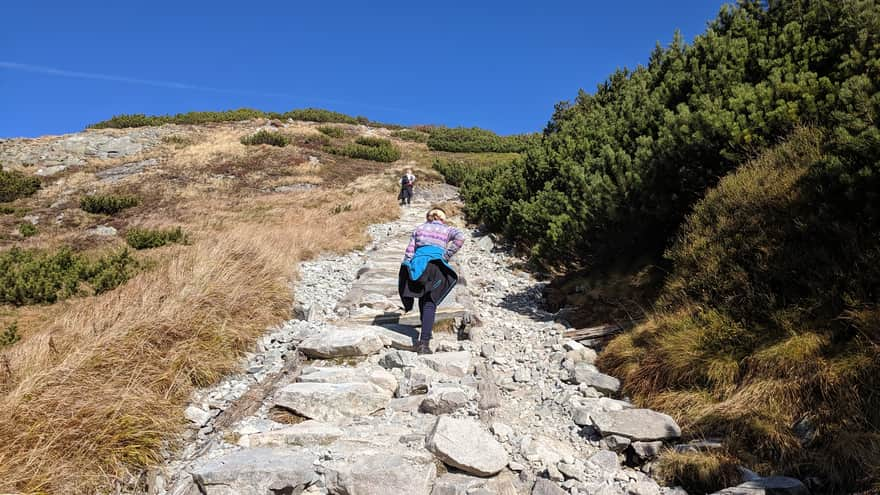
{"type": "Point", "coordinates": [99, 352]}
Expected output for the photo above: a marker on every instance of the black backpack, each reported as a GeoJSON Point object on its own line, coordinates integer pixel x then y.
{"type": "Point", "coordinates": [405, 181]}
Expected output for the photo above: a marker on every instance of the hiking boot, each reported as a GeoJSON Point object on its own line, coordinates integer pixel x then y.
{"type": "Point", "coordinates": [423, 348]}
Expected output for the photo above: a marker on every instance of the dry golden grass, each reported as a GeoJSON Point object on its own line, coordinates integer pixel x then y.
{"type": "Point", "coordinates": [92, 396]}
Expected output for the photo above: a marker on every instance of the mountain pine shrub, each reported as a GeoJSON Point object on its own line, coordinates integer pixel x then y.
{"type": "Point", "coordinates": [37, 276]}
{"type": "Point", "coordinates": [369, 148]}
{"type": "Point", "coordinates": [410, 135]}
{"type": "Point", "coordinates": [334, 132]}
{"type": "Point", "coordinates": [266, 137]}
{"type": "Point", "coordinates": [107, 204]}
{"type": "Point", "coordinates": [9, 335]}
{"type": "Point", "coordinates": [474, 139]}
{"type": "Point", "coordinates": [14, 185]}
{"type": "Point", "coordinates": [140, 238]}
{"type": "Point", "coordinates": [27, 229]}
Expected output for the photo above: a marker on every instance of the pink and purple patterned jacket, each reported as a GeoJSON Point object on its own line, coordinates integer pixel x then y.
{"type": "Point", "coordinates": [435, 234]}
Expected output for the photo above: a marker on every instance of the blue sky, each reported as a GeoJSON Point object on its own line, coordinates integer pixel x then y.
{"type": "Point", "coordinates": [495, 64]}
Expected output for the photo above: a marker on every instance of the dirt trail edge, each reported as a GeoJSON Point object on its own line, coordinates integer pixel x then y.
{"type": "Point", "coordinates": [335, 402]}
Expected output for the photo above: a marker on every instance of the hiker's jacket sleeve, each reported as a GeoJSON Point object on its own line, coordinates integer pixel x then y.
{"type": "Point", "coordinates": [411, 248]}
{"type": "Point", "coordinates": [454, 243]}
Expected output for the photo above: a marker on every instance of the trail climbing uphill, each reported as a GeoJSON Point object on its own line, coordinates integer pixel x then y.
{"type": "Point", "coordinates": [336, 402]}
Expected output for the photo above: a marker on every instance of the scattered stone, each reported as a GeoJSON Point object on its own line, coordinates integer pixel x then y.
{"type": "Point", "coordinates": [451, 363]}
{"type": "Point", "coordinates": [457, 484]}
{"type": "Point", "coordinates": [637, 424]}
{"type": "Point", "coordinates": [647, 450]}
{"type": "Point", "coordinates": [464, 444]}
{"type": "Point", "coordinates": [197, 415]}
{"type": "Point", "coordinates": [522, 375]}
{"type": "Point", "coordinates": [102, 230]}
{"type": "Point", "coordinates": [501, 430]}
{"type": "Point", "coordinates": [332, 401]}
{"type": "Point", "coordinates": [399, 359]}
{"type": "Point", "coordinates": [587, 374]}
{"type": "Point", "coordinates": [444, 398]}
{"type": "Point", "coordinates": [485, 243]}
{"type": "Point", "coordinates": [605, 460]}
{"type": "Point", "coordinates": [546, 487]}
{"type": "Point", "coordinates": [617, 443]}
{"type": "Point", "coordinates": [774, 485]}
{"type": "Point", "coordinates": [338, 342]}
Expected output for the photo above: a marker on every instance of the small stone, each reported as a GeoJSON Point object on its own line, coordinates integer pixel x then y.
{"type": "Point", "coordinates": [501, 430]}
{"type": "Point", "coordinates": [515, 466]}
{"type": "Point", "coordinates": [546, 487]}
{"type": "Point", "coordinates": [444, 398]}
{"type": "Point", "coordinates": [647, 450]}
{"type": "Point", "coordinates": [102, 230]}
{"type": "Point", "coordinates": [487, 350]}
{"type": "Point", "coordinates": [197, 415]}
{"type": "Point", "coordinates": [522, 375]}
{"type": "Point", "coordinates": [399, 359]}
{"type": "Point", "coordinates": [605, 460]}
{"type": "Point", "coordinates": [617, 443]}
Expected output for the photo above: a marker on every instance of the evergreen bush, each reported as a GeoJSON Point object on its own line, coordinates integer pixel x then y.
{"type": "Point", "coordinates": [37, 277]}
{"type": "Point", "coordinates": [334, 132]}
{"type": "Point", "coordinates": [9, 335]}
{"type": "Point", "coordinates": [27, 229]}
{"type": "Point", "coordinates": [474, 139]}
{"type": "Point", "coordinates": [107, 204]}
{"type": "Point", "coordinates": [411, 135]}
{"type": "Point", "coordinates": [139, 238]}
{"type": "Point", "coordinates": [14, 185]}
{"type": "Point", "coordinates": [369, 148]}
{"type": "Point", "coordinates": [266, 137]}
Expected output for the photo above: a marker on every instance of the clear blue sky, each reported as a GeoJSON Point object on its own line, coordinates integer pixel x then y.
{"type": "Point", "coordinates": [495, 64]}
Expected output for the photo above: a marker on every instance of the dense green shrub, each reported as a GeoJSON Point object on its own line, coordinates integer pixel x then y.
{"type": "Point", "coordinates": [615, 172]}
{"type": "Point", "coordinates": [266, 137]}
{"type": "Point", "coordinates": [321, 115]}
{"type": "Point", "coordinates": [107, 204]}
{"type": "Point", "coordinates": [369, 148]}
{"type": "Point", "coordinates": [35, 277]}
{"type": "Point", "coordinates": [27, 229]}
{"type": "Point", "coordinates": [14, 185]}
{"type": "Point", "coordinates": [474, 139]}
{"type": "Point", "coordinates": [152, 238]}
{"type": "Point", "coordinates": [335, 132]}
{"type": "Point", "coordinates": [10, 335]}
{"type": "Point", "coordinates": [411, 135]}
{"type": "Point", "coordinates": [770, 316]}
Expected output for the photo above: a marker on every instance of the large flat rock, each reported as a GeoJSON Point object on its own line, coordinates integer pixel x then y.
{"type": "Point", "coordinates": [332, 401]}
{"type": "Point", "coordinates": [256, 472]}
{"type": "Point", "coordinates": [450, 363]}
{"type": "Point", "coordinates": [341, 342]}
{"type": "Point", "coordinates": [341, 374]}
{"type": "Point", "coordinates": [637, 424]}
{"type": "Point", "coordinates": [773, 485]}
{"type": "Point", "coordinates": [587, 374]}
{"type": "Point", "coordinates": [306, 434]}
{"type": "Point", "coordinates": [466, 445]}
{"type": "Point", "coordinates": [381, 474]}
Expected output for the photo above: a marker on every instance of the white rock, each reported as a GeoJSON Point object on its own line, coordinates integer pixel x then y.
{"type": "Point", "coordinates": [381, 474]}
{"type": "Point", "coordinates": [332, 401]}
{"type": "Point", "coordinates": [339, 342]}
{"type": "Point", "coordinates": [305, 434]}
{"type": "Point", "coordinates": [451, 363]}
{"type": "Point", "coordinates": [256, 472]}
{"type": "Point", "coordinates": [466, 445]}
{"type": "Point", "coordinates": [341, 374]}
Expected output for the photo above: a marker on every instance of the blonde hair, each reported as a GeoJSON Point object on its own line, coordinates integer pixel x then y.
{"type": "Point", "coordinates": [436, 214]}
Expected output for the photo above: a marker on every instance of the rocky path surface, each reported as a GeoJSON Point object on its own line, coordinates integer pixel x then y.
{"type": "Point", "coordinates": [335, 402]}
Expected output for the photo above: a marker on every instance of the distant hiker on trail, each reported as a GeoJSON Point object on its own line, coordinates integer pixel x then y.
{"type": "Point", "coordinates": [425, 272]}
{"type": "Point", "coordinates": [406, 187]}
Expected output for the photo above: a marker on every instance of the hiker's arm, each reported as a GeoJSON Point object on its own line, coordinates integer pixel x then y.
{"type": "Point", "coordinates": [454, 243]}
{"type": "Point", "coordinates": [411, 248]}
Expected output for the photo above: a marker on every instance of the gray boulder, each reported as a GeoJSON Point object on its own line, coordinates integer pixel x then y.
{"type": "Point", "coordinates": [773, 485]}
{"type": "Point", "coordinates": [587, 374]}
{"type": "Point", "coordinates": [466, 445]}
{"type": "Point", "coordinates": [256, 472]}
{"type": "Point", "coordinates": [380, 474]}
{"type": "Point", "coordinates": [332, 401]}
{"type": "Point", "coordinates": [444, 398]}
{"type": "Point", "coordinates": [339, 342]}
{"type": "Point", "coordinates": [455, 364]}
{"type": "Point", "coordinates": [638, 424]}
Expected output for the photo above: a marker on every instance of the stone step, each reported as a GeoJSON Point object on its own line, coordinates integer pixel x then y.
{"type": "Point", "coordinates": [341, 342]}
{"type": "Point", "coordinates": [332, 401]}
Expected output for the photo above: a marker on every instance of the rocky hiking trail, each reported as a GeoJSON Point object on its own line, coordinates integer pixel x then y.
{"type": "Point", "coordinates": [335, 402]}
